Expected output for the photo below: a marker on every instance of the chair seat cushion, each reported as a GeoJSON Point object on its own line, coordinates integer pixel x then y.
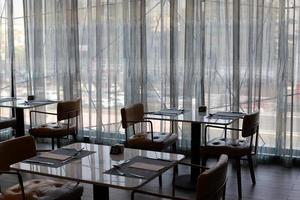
{"type": "Point", "coordinates": [219, 146]}
{"type": "Point", "coordinates": [6, 123]}
{"type": "Point", "coordinates": [143, 141]}
{"type": "Point", "coordinates": [45, 189]}
{"type": "Point", "coordinates": [52, 130]}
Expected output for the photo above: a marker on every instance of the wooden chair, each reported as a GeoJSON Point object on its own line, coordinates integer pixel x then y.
{"type": "Point", "coordinates": [21, 148]}
{"type": "Point", "coordinates": [66, 111]}
{"type": "Point", "coordinates": [211, 183]}
{"type": "Point", "coordinates": [247, 146]}
{"type": "Point", "coordinates": [133, 116]}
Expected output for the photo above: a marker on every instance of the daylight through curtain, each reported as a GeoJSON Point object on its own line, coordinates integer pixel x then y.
{"type": "Point", "coordinates": [225, 54]}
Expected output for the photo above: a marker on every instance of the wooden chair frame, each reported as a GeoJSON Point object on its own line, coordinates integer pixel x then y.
{"type": "Point", "coordinates": [69, 117]}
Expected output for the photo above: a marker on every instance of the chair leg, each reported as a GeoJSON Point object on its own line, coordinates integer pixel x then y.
{"type": "Point", "coordinates": [132, 195]}
{"type": "Point", "coordinates": [250, 163]}
{"type": "Point", "coordinates": [160, 180]}
{"type": "Point", "coordinates": [238, 171]}
{"type": "Point", "coordinates": [174, 149]}
{"type": "Point", "coordinates": [204, 161]}
{"type": "Point", "coordinates": [58, 142]}
{"type": "Point", "coordinates": [74, 137]}
{"type": "Point", "coordinates": [224, 193]}
{"type": "Point", "coordinates": [173, 182]}
{"type": "Point", "coordinates": [52, 143]}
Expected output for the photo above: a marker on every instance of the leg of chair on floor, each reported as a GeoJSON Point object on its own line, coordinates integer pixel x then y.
{"type": "Point", "coordinates": [160, 180]}
{"type": "Point", "coordinates": [74, 137]}
{"type": "Point", "coordinates": [238, 171]}
{"type": "Point", "coordinates": [173, 182]}
{"type": "Point", "coordinates": [250, 163]}
{"type": "Point", "coordinates": [204, 161]}
{"type": "Point", "coordinates": [52, 143]}
{"type": "Point", "coordinates": [224, 192]}
{"type": "Point", "coordinates": [132, 195]}
{"type": "Point", "coordinates": [174, 150]}
{"type": "Point", "coordinates": [58, 142]}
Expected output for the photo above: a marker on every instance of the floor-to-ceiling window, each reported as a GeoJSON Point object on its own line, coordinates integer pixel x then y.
{"type": "Point", "coordinates": [226, 54]}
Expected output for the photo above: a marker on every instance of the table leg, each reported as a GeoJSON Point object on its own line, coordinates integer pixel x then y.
{"type": "Point", "coordinates": [188, 181]}
{"type": "Point", "coordinates": [101, 192]}
{"type": "Point", "coordinates": [195, 148]}
{"type": "Point", "coordinates": [20, 130]}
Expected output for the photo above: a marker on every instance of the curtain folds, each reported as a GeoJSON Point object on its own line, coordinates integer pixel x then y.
{"type": "Point", "coordinates": [235, 55]}
{"type": "Point", "coordinates": [52, 59]}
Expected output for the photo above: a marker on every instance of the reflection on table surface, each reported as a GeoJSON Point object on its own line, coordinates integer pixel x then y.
{"type": "Point", "coordinates": [192, 116]}
{"type": "Point", "coordinates": [23, 102]}
{"type": "Point", "coordinates": [90, 169]}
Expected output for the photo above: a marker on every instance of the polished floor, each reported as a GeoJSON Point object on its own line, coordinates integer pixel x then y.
{"type": "Point", "coordinates": [274, 182]}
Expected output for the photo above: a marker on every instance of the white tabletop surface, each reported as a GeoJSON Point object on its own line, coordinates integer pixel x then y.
{"type": "Point", "coordinates": [90, 169]}
{"type": "Point", "coordinates": [23, 103]}
{"type": "Point", "coordinates": [192, 117]}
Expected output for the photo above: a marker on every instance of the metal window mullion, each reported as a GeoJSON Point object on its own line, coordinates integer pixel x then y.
{"type": "Point", "coordinates": [236, 61]}
{"type": "Point", "coordinates": [11, 50]}
{"type": "Point", "coordinates": [143, 54]}
{"type": "Point", "coordinates": [292, 82]}
{"type": "Point", "coordinates": [27, 51]}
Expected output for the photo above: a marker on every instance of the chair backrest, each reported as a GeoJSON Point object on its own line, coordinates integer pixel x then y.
{"type": "Point", "coordinates": [133, 112]}
{"type": "Point", "coordinates": [16, 150]}
{"type": "Point", "coordinates": [250, 124]}
{"type": "Point", "coordinates": [68, 109]}
{"type": "Point", "coordinates": [211, 183]}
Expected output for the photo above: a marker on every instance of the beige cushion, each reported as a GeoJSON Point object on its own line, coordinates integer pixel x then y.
{"type": "Point", "coordinates": [143, 141]}
{"type": "Point", "coordinates": [44, 189]}
{"type": "Point", "coordinates": [6, 123]}
{"type": "Point", "coordinates": [220, 146]}
{"type": "Point", "coordinates": [52, 130]}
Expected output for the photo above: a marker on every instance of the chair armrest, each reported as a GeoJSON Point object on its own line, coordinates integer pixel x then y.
{"type": "Point", "coordinates": [41, 112]}
{"type": "Point", "coordinates": [20, 180]}
{"type": "Point", "coordinates": [146, 121]}
{"type": "Point", "coordinates": [218, 127]}
{"type": "Point", "coordinates": [221, 127]}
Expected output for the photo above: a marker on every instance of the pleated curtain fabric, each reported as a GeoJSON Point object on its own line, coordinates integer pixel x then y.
{"type": "Point", "coordinates": [235, 55]}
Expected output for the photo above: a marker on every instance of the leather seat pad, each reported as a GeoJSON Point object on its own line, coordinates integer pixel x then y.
{"type": "Point", "coordinates": [45, 189]}
{"type": "Point", "coordinates": [51, 130]}
{"type": "Point", "coordinates": [143, 141]}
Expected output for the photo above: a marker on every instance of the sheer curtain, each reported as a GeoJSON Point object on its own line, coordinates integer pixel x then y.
{"type": "Point", "coordinates": [51, 67]}
{"type": "Point", "coordinates": [7, 58]}
{"type": "Point", "coordinates": [226, 54]}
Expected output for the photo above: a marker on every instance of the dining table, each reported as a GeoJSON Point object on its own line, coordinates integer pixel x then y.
{"type": "Point", "coordinates": [128, 170]}
{"type": "Point", "coordinates": [197, 120]}
{"type": "Point", "coordinates": [20, 104]}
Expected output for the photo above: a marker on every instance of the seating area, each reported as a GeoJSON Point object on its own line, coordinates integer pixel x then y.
{"type": "Point", "coordinates": [244, 147]}
{"type": "Point", "coordinates": [149, 99]}
{"type": "Point", "coordinates": [23, 148]}
{"type": "Point", "coordinates": [133, 116]}
{"type": "Point", "coordinates": [64, 126]}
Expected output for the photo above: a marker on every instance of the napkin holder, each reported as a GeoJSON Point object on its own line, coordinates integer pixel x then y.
{"type": "Point", "coordinates": [116, 149]}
